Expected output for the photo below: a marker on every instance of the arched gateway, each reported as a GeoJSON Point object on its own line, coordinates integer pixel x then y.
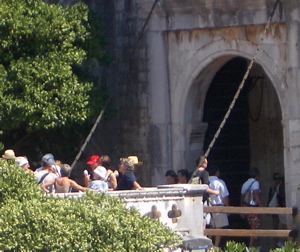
{"type": "Point", "coordinates": [201, 95]}
{"type": "Point", "coordinates": [181, 56]}
{"type": "Point", "coordinates": [252, 135]}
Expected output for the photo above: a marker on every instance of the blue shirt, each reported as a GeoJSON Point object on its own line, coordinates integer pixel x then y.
{"type": "Point", "coordinates": [126, 182]}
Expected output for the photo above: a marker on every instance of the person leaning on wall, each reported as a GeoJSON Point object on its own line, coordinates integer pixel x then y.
{"type": "Point", "coordinates": [183, 176]}
{"type": "Point", "coordinates": [171, 177]}
{"type": "Point", "coordinates": [111, 179]}
{"type": "Point", "coordinates": [128, 180]}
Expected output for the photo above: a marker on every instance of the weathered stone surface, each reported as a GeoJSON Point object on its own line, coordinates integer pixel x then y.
{"type": "Point", "coordinates": [161, 76]}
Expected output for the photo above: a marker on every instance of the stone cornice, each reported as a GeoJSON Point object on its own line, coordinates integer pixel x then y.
{"type": "Point", "coordinates": [191, 14]}
{"type": "Point", "coordinates": [203, 5]}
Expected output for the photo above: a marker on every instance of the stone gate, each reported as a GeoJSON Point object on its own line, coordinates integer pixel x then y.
{"type": "Point", "coordinates": [169, 54]}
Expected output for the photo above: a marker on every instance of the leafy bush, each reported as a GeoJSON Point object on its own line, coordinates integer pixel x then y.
{"type": "Point", "coordinates": [96, 222]}
{"type": "Point", "coordinates": [15, 184]}
{"type": "Point", "coordinates": [232, 246]}
{"type": "Point", "coordinates": [287, 247]}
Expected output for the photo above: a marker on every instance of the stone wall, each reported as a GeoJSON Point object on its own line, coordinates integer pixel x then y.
{"type": "Point", "coordinates": [160, 79]}
{"type": "Point", "coordinates": [126, 79]}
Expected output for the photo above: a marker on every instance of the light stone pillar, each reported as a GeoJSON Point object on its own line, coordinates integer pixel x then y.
{"type": "Point", "coordinates": [159, 102]}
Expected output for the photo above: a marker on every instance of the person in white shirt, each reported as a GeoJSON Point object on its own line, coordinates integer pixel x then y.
{"type": "Point", "coordinates": [48, 170]}
{"type": "Point", "coordinates": [218, 220]}
{"type": "Point", "coordinates": [250, 197]}
{"type": "Point", "coordinates": [97, 180]}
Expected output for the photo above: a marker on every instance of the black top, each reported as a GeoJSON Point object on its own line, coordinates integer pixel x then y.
{"type": "Point", "coordinates": [203, 175]}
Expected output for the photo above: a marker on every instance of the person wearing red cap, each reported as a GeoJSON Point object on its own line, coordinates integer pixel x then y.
{"type": "Point", "coordinates": [93, 161]}
{"type": "Point", "coordinates": [98, 181]}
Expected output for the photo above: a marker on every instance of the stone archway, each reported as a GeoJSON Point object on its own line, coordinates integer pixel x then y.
{"type": "Point", "coordinates": [252, 135]}
{"type": "Point", "coordinates": [190, 78]}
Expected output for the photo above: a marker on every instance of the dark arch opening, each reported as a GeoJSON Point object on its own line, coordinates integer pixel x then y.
{"type": "Point", "coordinates": [252, 135]}
{"type": "Point", "coordinates": [231, 151]}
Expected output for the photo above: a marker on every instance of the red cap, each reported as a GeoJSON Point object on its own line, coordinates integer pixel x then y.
{"type": "Point", "coordinates": [93, 160]}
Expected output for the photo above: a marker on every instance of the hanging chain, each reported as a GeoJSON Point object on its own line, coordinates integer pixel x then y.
{"type": "Point", "coordinates": [242, 83]}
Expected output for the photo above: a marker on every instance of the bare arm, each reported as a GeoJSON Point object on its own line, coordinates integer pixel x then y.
{"type": "Point", "coordinates": [257, 198]}
{"type": "Point", "coordinates": [211, 191]}
{"type": "Point", "coordinates": [113, 181]}
{"type": "Point", "coordinates": [75, 186]}
{"type": "Point", "coordinates": [86, 180]}
{"type": "Point", "coordinates": [46, 185]}
{"type": "Point", "coordinates": [137, 185]}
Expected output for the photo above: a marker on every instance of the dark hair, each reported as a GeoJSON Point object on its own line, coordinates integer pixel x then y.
{"type": "Point", "coordinates": [65, 170]}
{"type": "Point", "coordinates": [171, 173]}
{"type": "Point", "coordinates": [183, 172]}
{"type": "Point", "coordinates": [213, 170]}
{"type": "Point", "coordinates": [104, 160]}
{"type": "Point", "coordinates": [200, 160]}
{"type": "Point", "coordinates": [253, 172]}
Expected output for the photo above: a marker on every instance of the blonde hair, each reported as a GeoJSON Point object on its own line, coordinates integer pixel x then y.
{"type": "Point", "coordinates": [129, 164]}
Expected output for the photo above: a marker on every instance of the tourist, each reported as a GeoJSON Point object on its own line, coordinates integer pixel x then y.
{"type": "Point", "coordinates": [135, 161]}
{"type": "Point", "coordinates": [201, 176]}
{"type": "Point", "coordinates": [128, 181]}
{"type": "Point", "coordinates": [97, 179]}
{"type": "Point", "coordinates": [250, 197]}
{"type": "Point", "coordinates": [171, 177]}
{"type": "Point", "coordinates": [273, 192]}
{"type": "Point", "coordinates": [110, 176]}
{"type": "Point", "coordinates": [23, 163]}
{"type": "Point", "coordinates": [218, 220]}
{"type": "Point", "coordinates": [63, 184]}
{"type": "Point", "coordinates": [183, 176]}
{"type": "Point", "coordinates": [48, 170]}
{"type": "Point", "coordinates": [9, 156]}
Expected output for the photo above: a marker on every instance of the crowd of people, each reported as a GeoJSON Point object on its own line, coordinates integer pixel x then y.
{"type": "Point", "coordinates": [54, 176]}
{"type": "Point", "coordinates": [217, 194]}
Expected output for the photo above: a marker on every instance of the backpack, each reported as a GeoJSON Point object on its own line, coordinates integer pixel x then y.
{"type": "Point", "coordinates": [247, 197]}
{"type": "Point", "coordinates": [195, 177]}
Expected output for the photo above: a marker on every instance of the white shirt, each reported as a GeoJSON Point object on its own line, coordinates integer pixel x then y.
{"type": "Point", "coordinates": [218, 184]}
{"type": "Point", "coordinates": [254, 186]}
{"type": "Point", "coordinates": [55, 168]}
{"type": "Point", "coordinates": [50, 177]}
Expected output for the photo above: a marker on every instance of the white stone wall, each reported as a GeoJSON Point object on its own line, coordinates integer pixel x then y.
{"type": "Point", "coordinates": [162, 89]}
{"type": "Point", "coordinates": [188, 42]}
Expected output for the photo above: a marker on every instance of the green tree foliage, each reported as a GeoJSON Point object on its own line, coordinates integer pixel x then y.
{"type": "Point", "coordinates": [40, 45]}
{"type": "Point", "coordinates": [49, 97]}
{"type": "Point", "coordinates": [31, 221]}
